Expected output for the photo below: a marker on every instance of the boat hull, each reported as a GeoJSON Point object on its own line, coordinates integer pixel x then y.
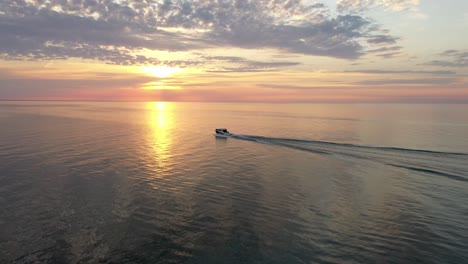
{"type": "Point", "coordinates": [222, 135]}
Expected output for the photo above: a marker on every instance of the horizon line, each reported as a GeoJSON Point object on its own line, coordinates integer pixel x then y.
{"type": "Point", "coordinates": [251, 102]}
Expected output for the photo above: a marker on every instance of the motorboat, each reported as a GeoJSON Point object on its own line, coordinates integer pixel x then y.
{"type": "Point", "coordinates": [223, 133]}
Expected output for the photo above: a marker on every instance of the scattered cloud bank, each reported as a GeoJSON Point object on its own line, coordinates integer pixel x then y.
{"type": "Point", "coordinates": [452, 58]}
{"type": "Point", "coordinates": [300, 87]}
{"type": "Point", "coordinates": [425, 81]}
{"type": "Point", "coordinates": [403, 72]}
{"type": "Point", "coordinates": [363, 5]}
{"type": "Point", "coordinates": [240, 64]}
{"type": "Point", "coordinates": [118, 32]}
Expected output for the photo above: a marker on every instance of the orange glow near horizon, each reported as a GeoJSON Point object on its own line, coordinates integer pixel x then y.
{"type": "Point", "coordinates": [77, 81]}
{"type": "Point", "coordinates": [159, 86]}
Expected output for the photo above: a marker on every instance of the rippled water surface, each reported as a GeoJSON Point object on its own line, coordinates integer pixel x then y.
{"type": "Point", "coordinates": [149, 183]}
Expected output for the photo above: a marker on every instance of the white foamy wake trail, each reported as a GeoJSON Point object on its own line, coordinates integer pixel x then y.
{"type": "Point", "coordinates": [252, 138]}
{"type": "Point", "coordinates": [446, 164]}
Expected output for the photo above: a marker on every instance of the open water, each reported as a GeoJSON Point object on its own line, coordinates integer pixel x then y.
{"type": "Point", "coordinates": [92, 182]}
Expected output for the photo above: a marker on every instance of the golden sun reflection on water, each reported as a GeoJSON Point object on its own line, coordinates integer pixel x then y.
{"type": "Point", "coordinates": [160, 122]}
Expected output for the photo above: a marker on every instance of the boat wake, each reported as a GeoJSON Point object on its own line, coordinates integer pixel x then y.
{"type": "Point", "coordinates": [446, 164]}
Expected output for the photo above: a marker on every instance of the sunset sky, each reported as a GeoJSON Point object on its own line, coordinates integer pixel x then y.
{"type": "Point", "coordinates": [218, 50]}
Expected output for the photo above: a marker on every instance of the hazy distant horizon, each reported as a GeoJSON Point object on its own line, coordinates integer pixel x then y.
{"type": "Point", "coordinates": [240, 102]}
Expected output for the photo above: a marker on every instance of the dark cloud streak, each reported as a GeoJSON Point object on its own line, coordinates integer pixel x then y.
{"type": "Point", "coordinates": [357, 6]}
{"type": "Point", "coordinates": [299, 87]}
{"type": "Point", "coordinates": [403, 72]}
{"type": "Point", "coordinates": [427, 81]}
{"type": "Point", "coordinates": [452, 59]}
{"type": "Point", "coordinates": [382, 39]}
{"type": "Point", "coordinates": [246, 65]}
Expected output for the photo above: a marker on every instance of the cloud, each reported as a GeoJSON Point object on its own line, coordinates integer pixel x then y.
{"type": "Point", "coordinates": [386, 49]}
{"type": "Point", "coordinates": [403, 72]}
{"type": "Point", "coordinates": [382, 39]}
{"type": "Point", "coordinates": [337, 37]}
{"type": "Point", "coordinates": [118, 32]}
{"type": "Point", "coordinates": [240, 64]}
{"type": "Point", "coordinates": [427, 81]}
{"type": "Point", "coordinates": [300, 87]}
{"type": "Point", "coordinates": [350, 6]}
{"type": "Point", "coordinates": [389, 55]}
{"type": "Point", "coordinates": [387, 52]}
{"type": "Point", "coordinates": [33, 33]}
{"type": "Point", "coordinates": [16, 85]}
{"type": "Point", "coordinates": [452, 58]}
{"type": "Point", "coordinates": [383, 83]}
{"type": "Point", "coordinates": [97, 83]}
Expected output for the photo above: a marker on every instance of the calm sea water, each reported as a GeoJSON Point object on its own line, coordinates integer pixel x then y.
{"type": "Point", "coordinates": [149, 183]}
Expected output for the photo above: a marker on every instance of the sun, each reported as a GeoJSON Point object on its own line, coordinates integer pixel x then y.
{"type": "Point", "coordinates": [161, 71]}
